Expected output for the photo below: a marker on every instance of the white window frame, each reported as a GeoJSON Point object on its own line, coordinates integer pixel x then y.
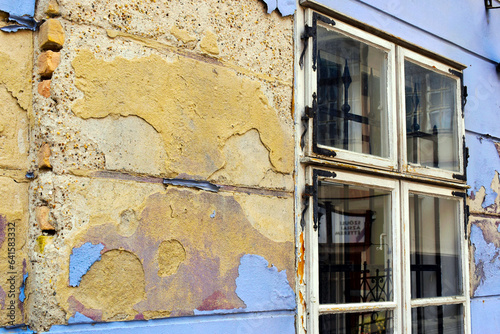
{"type": "Point", "coordinates": [390, 163]}
{"type": "Point", "coordinates": [393, 173]}
{"type": "Point", "coordinates": [464, 299]}
{"type": "Point", "coordinates": [316, 309]}
{"type": "Point", "coordinates": [432, 65]}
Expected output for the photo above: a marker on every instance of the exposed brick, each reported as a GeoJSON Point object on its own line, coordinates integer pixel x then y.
{"type": "Point", "coordinates": [44, 156]}
{"type": "Point", "coordinates": [53, 8]}
{"type": "Point", "coordinates": [42, 218]}
{"type": "Point", "coordinates": [51, 35]}
{"type": "Point", "coordinates": [44, 88]}
{"type": "Point", "coordinates": [48, 62]}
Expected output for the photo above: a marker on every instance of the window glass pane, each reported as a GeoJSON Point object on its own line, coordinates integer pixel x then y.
{"type": "Point", "coordinates": [354, 244]}
{"type": "Point", "coordinates": [355, 323]}
{"type": "Point", "coordinates": [437, 319]}
{"type": "Point", "coordinates": [435, 247]}
{"type": "Point", "coordinates": [431, 118]}
{"type": "Point", "coordinates": [352, 94]}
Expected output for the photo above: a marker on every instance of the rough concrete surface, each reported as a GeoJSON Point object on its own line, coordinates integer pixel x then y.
{"type": "Point", "coordinates": [131, 92]}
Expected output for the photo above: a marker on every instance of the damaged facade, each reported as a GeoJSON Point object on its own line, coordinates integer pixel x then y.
{"type": "Point", "coordinates": [156, 162]}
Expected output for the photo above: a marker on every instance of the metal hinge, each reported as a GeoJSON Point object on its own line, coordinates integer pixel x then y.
{"type": "Point", "coordinates": [463, 195]}
{"type": "Point", "coordinates": [308, 33]}
{"type": "Point", "coordinates": [463, 177]}
{"type": "Point", "coordinates": [312, 32]}
{"type": "Point", "coordinates": [309, 112]}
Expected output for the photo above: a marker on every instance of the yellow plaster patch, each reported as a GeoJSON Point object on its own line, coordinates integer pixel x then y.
{"type": "Point", "coordinates": [271, 216]}
{"type": "Point", "coordinates": [114, 285]}
{"type": "Point", "coordinates": [182, 35]}
{"type": "Point", "coordinates": [171, 254]}
{"type": "Point", "coordinates": [209, 43]}
{"type": "Point", "coordinates": [164, 95]}
{"type": "Point", "coordinates": [247, 163]}
{"type": "Point", "coordinates": [16, 65]}
{"type": "Point", "coordinates": [13, 219]}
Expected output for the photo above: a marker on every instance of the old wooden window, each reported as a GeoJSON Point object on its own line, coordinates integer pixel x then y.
{"type": "Point", "coordinates": [383, 208]}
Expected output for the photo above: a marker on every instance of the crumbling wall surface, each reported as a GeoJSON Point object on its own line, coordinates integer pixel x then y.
{"type": "Point", "coordinates": [129, 94]}
{"type": "Point", "coordinates": [483, 140]}
{"type": "Point", "coordinates": [16, 63]}
{"type": "Point", "coordinates": [484, 222]}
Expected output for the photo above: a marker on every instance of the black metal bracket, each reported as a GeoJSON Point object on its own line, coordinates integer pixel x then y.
{"type": "Point", "coordinates": [316, 174]}
{"type": "Point", "coordinates": [463, 89]}
{"type": "Point", "coordinates": [463, 195]}
{"type": "Point", "coordinates": [308, 33]}
{"type": "Point", "coordinates": [489, 4]}
{"type": "Point", "coordinates": [311, 31]}
{"type": "Point", "coordinates": [309, 112]}
{"type": "Point", "coordinates": [463, 177]}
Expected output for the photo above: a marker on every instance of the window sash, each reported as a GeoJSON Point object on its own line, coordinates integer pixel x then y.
{"type": "Point", "coordinates": [434, 66]}
{"type": "Point", "coordinates": [313, 148]}
{"type": "Point", "coordinates": [354, 179]}
{"type": "Point", "coordinates": [463, 299]}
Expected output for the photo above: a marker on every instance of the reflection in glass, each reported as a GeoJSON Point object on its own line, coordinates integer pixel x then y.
{"type": "Point", "coordinates": [352, 94]}
{"type": "Point", "coordinates": [446, 319]}
{"type": "Point", "coordinates": [431, 118]}
{"type": "Point", "coordinates": [435, 247]}
{"type": "Point", "coordinates": [354, 244]}
{"type": "Point", "coordinates": [355, 323]}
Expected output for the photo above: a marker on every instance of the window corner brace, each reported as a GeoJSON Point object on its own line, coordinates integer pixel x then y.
{"type": "Point", "coordinates": [308, 33]}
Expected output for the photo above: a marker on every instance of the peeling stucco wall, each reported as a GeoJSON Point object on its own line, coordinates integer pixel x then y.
{"type": "Point", "coordinates": [120, 95]}
{"type": "Point", "coordinates": [16, 63]}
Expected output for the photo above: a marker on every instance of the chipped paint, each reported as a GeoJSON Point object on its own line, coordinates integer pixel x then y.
{"type": "Point", "coordinates": [260, 286]}
{"type": "Point", "coordinates": [22, 295]}
{"type": "Point", "coordinates": [213, 248]}
{"type": "Point", "coordinates": [285, 7]}
{"type": "Point", "coordinates": [79, 318]}
{"type": "Point", "coordinates": [121, 88]}
{"type": "Point", "coordinates": [81, 259]}
{"type": "Point", "coordinates": [487, 264]}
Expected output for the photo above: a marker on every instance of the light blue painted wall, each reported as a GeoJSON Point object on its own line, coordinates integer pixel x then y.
{"type": "Point", "coordinates": [247, 323]}
{"type": "Point", "coordinates": [18, 7]}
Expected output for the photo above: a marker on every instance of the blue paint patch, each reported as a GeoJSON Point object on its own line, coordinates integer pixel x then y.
{"type": "Point", "coordinates": [79, 318]}
{"type": "Point", "coordinates": [22, 296]}
{"type": "Point", "coordinates": [486, 256]}
{"type": "Point", "coordinates": [18, 7]}
{"type": "Point", "coordinates": [247, 323]}
{"type": "Point", "coordinates": [271, 5]}
{"type": "Point", "coordinates": [81, 259]}
{"type": "Point", "coordinates": [263, 288]}
{"type": "Point", "coordinates": [485, 317]}
{"type": "Point", "coordinates": [260, 287]}
{"type": "Point", "coordinates": [16, 330]}
{"type": "Point", "coordinates": [483, 162]}
{"type": "Point", "coordinates": [212, 215]}
{"type": "Point", "coordinates": [285, 7]}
